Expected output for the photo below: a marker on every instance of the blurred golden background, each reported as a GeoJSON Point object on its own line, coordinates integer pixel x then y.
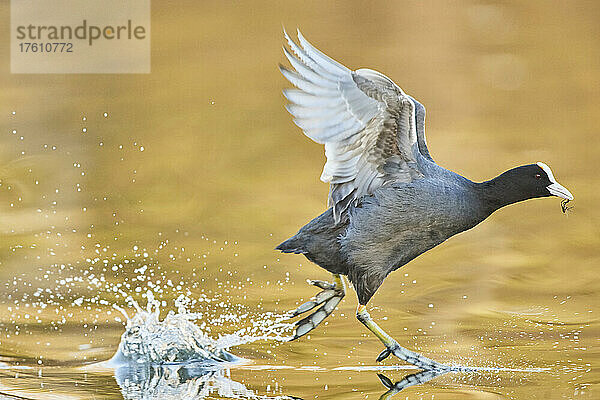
{"type": "Point", "coordinates": [202, 147]}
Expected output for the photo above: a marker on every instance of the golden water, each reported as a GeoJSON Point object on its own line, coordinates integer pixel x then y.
{"type": "Point", "coordinates": [224, 176]}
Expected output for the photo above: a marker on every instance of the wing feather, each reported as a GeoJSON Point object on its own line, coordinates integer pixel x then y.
{"type": "Point", "coordinates": [368, 125]}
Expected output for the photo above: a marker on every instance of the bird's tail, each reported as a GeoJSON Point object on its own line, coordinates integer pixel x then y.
{"type": "Point", "coordinates": [292, 245]}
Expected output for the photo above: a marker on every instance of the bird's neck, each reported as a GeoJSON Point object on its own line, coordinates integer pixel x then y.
{"type": "Point", "coordinates": [498, 192]}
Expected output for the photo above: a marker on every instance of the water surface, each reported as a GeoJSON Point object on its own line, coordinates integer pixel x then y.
{"type": "Point", "coordinates": [186, 179]}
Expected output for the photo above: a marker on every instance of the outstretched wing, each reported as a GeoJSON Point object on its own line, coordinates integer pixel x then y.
{"type": "Point", "coordinates": [366, 122]}
{"type": "Point", "coordinates": [420, 117]}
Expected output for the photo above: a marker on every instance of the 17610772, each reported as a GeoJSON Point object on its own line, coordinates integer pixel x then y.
{"type": "Point", "coordinates": [49, 47]}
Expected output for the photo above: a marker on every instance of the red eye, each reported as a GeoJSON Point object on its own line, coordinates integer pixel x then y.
{"type": "Point", "coordinates": [538, 176]}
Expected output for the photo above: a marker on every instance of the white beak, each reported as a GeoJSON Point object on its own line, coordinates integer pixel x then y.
{"type": "Point", "coordinates": [555, 188]}
{"type": "Point", "coordinates": [559, 190]}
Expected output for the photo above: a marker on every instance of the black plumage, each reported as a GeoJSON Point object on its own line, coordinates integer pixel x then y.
{"type": "Point", "coordinates": [389, 201]}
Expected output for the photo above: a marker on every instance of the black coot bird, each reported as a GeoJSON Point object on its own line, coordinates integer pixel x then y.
{"type": "Point", "coordinates": [389, 201]}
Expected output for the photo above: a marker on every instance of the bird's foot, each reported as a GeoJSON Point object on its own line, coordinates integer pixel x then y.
{"type": "Point", "coordinates": [328, 299]}
{"type": "Point", "coordinates": [321, 284]}
{"type": "Point", "coordinates": [411, 357]}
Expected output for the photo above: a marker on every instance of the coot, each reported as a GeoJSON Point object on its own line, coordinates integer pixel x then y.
{"type": "Point", "coordinates": [389, 201]}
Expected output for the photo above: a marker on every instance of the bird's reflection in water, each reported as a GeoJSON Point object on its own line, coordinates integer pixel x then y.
{"type": "Point", "coordinates": [409, 380]}
{"type": "Point", "coordinates": [202, 381]}
{"type": "Point", "coordinates": [190, 382]}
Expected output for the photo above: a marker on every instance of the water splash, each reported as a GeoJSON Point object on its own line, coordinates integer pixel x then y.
{"type": "Point", "coordinates": [173, 358]}
{"type": "Point", "coordinates": [270, 327]}
{"type": "Point", "coordinates": [177, 340]}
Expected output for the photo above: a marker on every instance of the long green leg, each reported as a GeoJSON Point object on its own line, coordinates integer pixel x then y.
{"type": "Point", "coordinates": [392, 346]}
